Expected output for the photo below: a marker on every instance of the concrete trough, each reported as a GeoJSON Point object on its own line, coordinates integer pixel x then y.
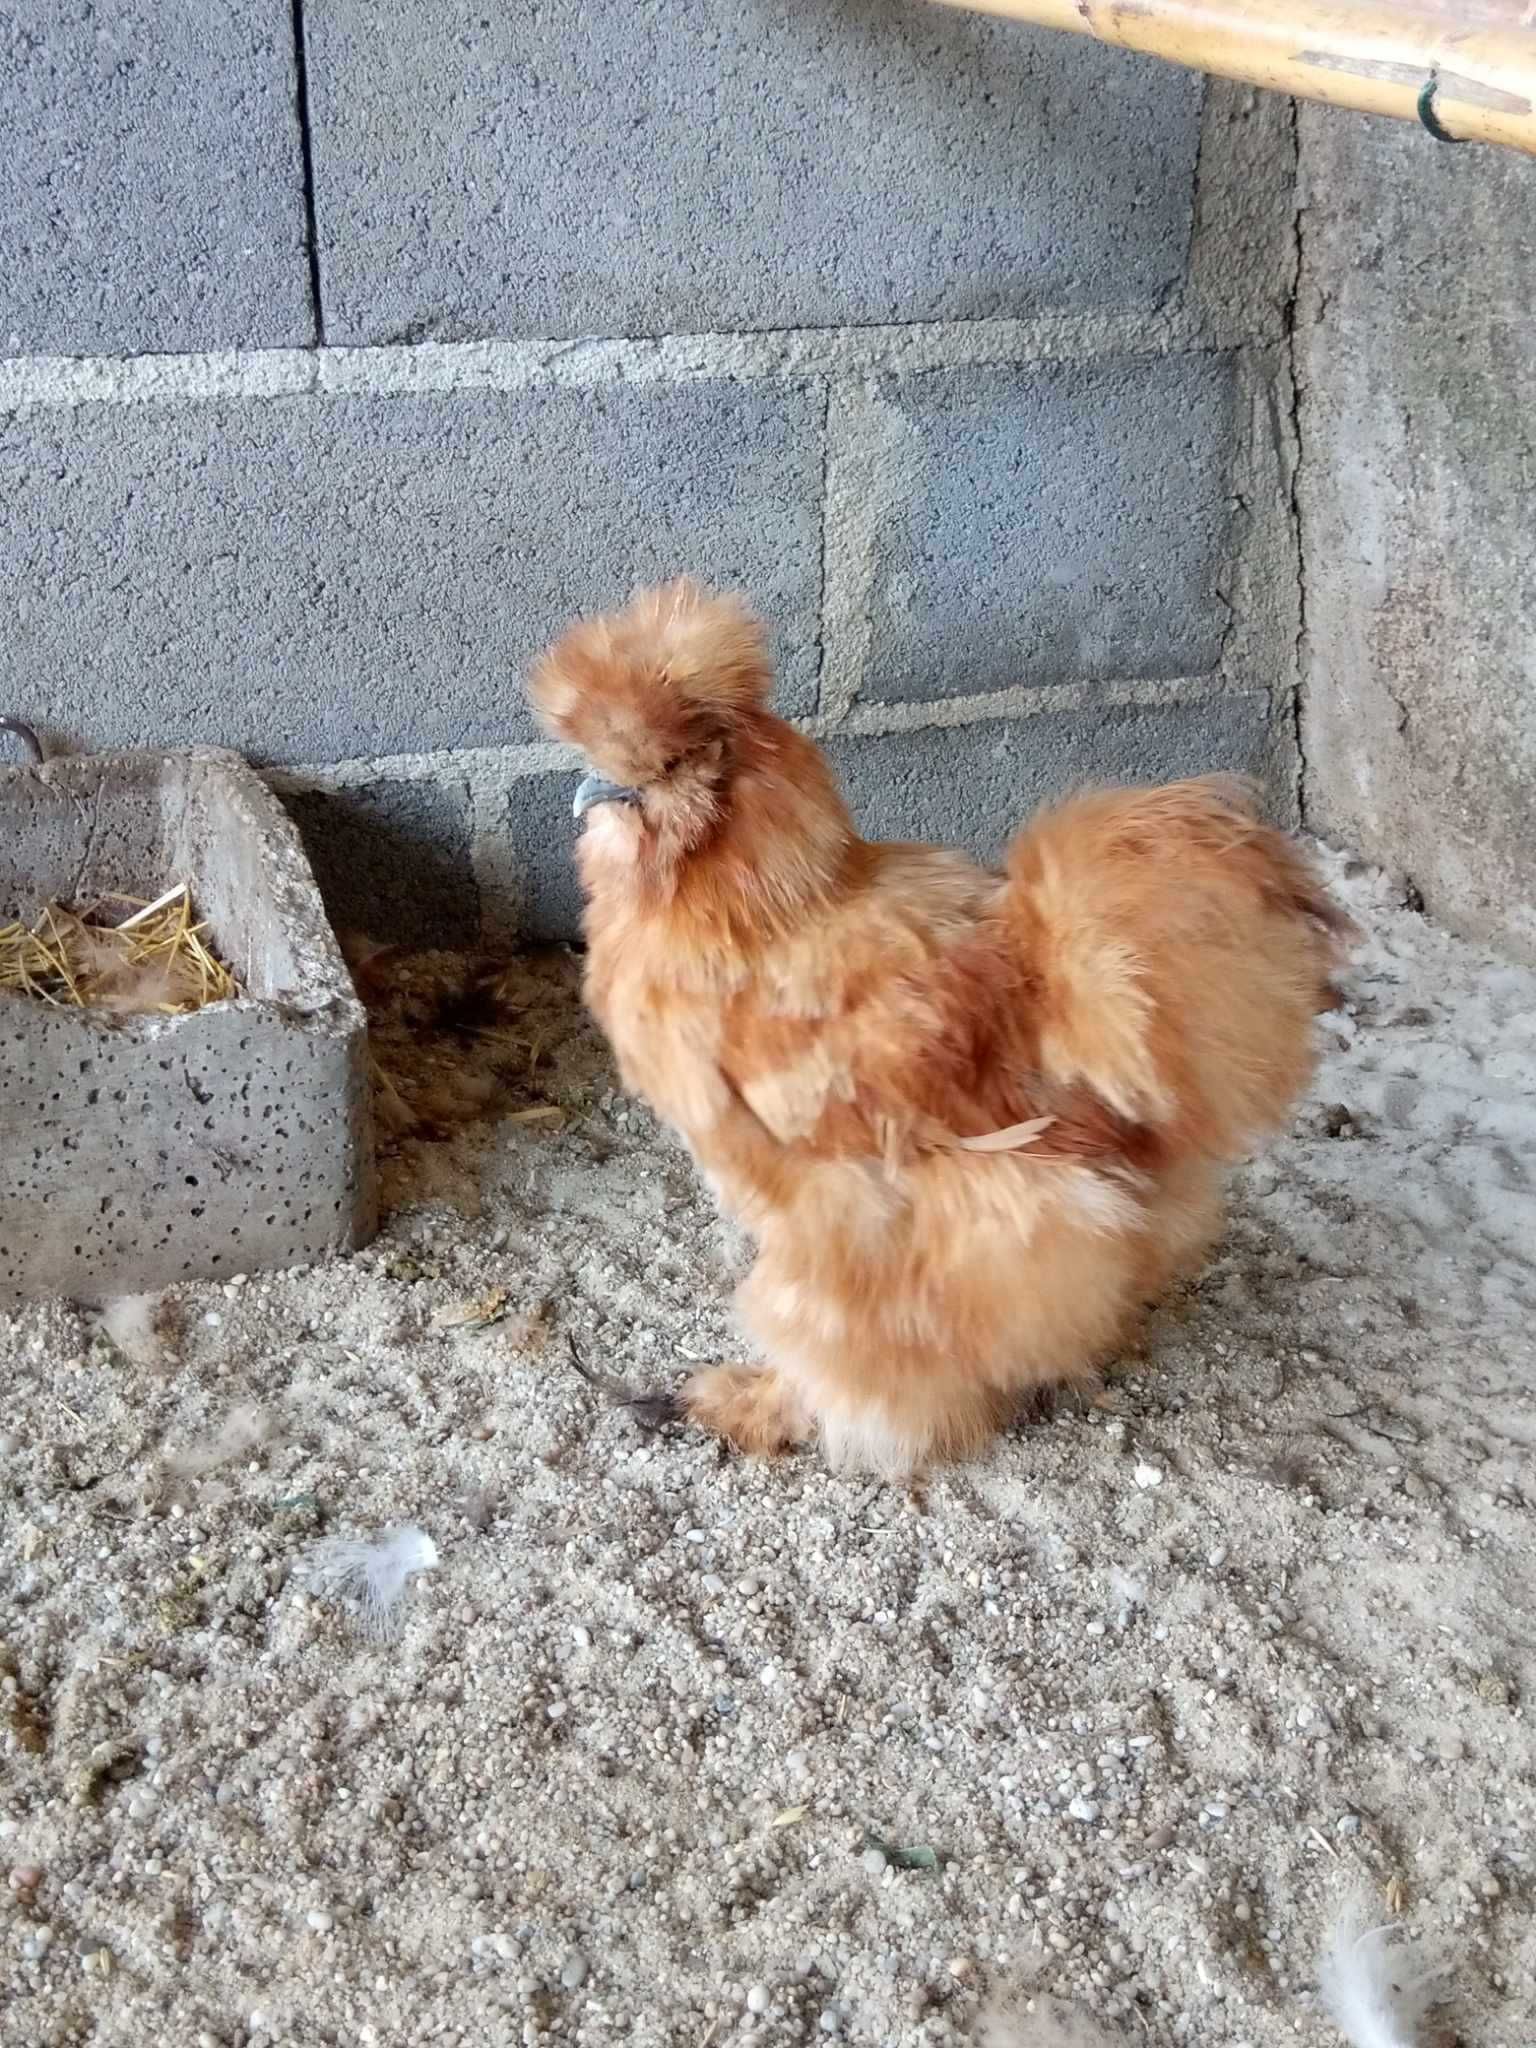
{"type": "Point", "coordinates": [139, 1151]}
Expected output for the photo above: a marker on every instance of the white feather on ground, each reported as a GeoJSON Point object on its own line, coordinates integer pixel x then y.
{"type": "Point", "coordinates": [1043, 2023]}
{"type": "Point", "coordinates": [370, 1577]}
{"type": "Point", "coordinates": [1377, 1994]}
{"type": "Point", "coordinates": [134, 1324]}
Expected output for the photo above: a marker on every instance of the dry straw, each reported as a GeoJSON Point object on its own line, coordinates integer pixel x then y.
{"type": "Point", "coordinates": [117, 954]}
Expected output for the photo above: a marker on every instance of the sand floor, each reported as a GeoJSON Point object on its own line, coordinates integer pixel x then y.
{"type": "Point", "coordinates": [673, 1749]}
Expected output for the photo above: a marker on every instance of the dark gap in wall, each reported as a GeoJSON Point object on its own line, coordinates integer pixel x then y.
{"type": "Point", "coordinates": [1293, 369]}
{"type": "Point", "coordinates": [311, 226]}
{"type": "Point", "coordinates": [821, 564]}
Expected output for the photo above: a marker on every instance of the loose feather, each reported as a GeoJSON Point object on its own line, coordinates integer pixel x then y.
{"type": "Point", "coordinates": [1377, 1995]}
{"type": "Point", "coordinates": [371, 1578]}
{"type": "Point", "coordinates": [138, 1327]}
{"type": "Point", "coordinates": [1012, 1139]}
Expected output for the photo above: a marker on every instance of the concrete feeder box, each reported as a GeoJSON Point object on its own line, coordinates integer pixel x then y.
{"type": "Point", "coordinates": [139, 1151]}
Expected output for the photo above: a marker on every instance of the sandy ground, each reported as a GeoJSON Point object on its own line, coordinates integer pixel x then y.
{"type": "Point", "coordinates": [674, 1749]}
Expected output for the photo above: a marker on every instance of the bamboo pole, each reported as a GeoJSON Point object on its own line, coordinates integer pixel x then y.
{"type": "Point", "coordinates": [1465, 68]}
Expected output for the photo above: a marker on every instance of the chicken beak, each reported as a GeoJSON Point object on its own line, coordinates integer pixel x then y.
{"type": "Point", "coordinates": [592, 789]}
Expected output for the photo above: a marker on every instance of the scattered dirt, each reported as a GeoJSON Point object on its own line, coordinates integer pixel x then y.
{"type": "Point", "coordinates": [671, 1749]}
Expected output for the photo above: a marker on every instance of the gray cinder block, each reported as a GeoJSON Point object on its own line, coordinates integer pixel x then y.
{"type": "Point", "coordinates": [638, 167]}
{"type": "Point", "coordinates": [139, 1151]}
{"type": "Point", "coordinates": [975, 785]}
{"type": "Point", "coordinates": [393, 860]}
{"type": "Point", "coordinates": [153, 179]}
{"type": "Point", "coordinates": [542, 834]}
{"type": "Point", "coordinates": [1050, 525]}
{"type": "Point", "coordinates": [970, 786]}
{"type": "Point", "coordinates": [334, 579]}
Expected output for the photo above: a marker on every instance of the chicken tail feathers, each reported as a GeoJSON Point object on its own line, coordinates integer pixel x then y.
{"type": "Point", "coordinates": [1176, 951]}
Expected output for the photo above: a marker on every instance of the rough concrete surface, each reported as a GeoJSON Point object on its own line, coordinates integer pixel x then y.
{"type": "Point", "coordinates": [1242, 253]}
{"type": "Point", "coordinates": [976, 786]}
{"type": "Point", "coordinates": [311, 580]}
{"type": "Point", "coordinates": [1064, 523]}
{"type": "Point", "coordinates": [394, 860]}
{"type": "Point", "coordinates": [136, 1152]}
{"type": "Point", "coordinates": [594, 166]}
{"type": "Point", "coordinates": [153, 177]}
{"type": "Point", "coordinates": [1417, 358]}
{"type": "Point", "coordinates": [535, 823]}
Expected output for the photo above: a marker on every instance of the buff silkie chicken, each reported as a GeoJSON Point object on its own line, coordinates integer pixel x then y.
{"type": "Point", "coordinates": [975, 1122]}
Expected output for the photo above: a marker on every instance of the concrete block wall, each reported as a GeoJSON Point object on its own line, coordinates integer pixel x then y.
{"type": "Point", "coordinates": [1415, 328]}
{"type": "Point", "coordinates": [348, 349]}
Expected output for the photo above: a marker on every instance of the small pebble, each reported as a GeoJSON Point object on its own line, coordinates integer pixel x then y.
{"type": "Point", "coordinates": [876, 1862]}
{"type": "Point", "coordinates": [573, 1971]}
{"type": "Point", "coordinates": [1084, 1809]}
{"type": "Point", "coordinates": [757, 1998]}
{"type": "Point", "coordinates": [1148, 1475]}
{"type": "Point", "coordinates": [320, 1922]}
{"type": "Point", "coordinates": [831, 2020]}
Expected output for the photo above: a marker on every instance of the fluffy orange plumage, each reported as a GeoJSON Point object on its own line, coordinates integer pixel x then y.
{"type": "Point", "coordinates": [975, 1122]}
